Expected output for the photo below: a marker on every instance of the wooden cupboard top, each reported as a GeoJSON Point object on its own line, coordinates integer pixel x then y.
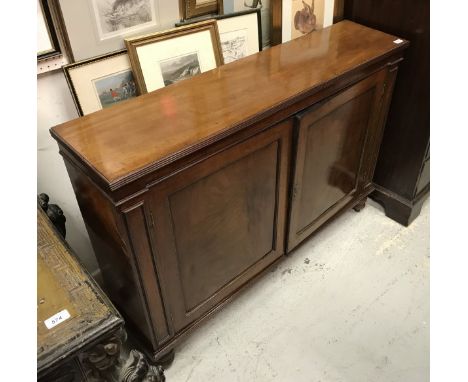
{"type": "Point", "coordinates": [124, 142]}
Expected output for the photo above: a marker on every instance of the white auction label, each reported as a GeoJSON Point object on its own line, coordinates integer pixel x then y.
{"type": "Point", "coordinates": [398, 41]}
{"type": "Point", "coordinates": [57, 319]}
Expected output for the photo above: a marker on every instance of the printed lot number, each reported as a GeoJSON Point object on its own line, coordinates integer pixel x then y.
{"type": "Point", "coordinates": [57, 319]}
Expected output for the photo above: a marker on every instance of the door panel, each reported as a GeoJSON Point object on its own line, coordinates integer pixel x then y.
{"type": "Point", "coordinates": [231, 215]}
{"type": "Point", "coordinates": [221, 221]}
{"type": "Point", "coordinates": [330, 150]}
{"type": "Point", "coordinates": [331, 158]}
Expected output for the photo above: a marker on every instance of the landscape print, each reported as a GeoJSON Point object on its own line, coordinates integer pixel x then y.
{"type": "Point", "coordinates": [118, 15]}
{"type": "Point", "coordinates": [179, 68]}
{"type": "Point", "coordinates": [115, 88]}
{"type": "Point", "coordinates": [234, 45]}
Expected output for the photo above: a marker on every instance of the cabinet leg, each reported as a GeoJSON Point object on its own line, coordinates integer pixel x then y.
{"type": "Point", "coordinates": [166, 360]}
{"type": "Point", "coordinates": [362, 203]}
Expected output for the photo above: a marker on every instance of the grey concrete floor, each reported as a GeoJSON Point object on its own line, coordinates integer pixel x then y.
{"type": "Point", "coordinates": [351, 304]}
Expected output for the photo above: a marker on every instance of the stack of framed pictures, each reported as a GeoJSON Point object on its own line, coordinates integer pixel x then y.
{"type": "Point", "coordinates": [159, 59]}
{"type": "Point", "coordinates": [93, 28]}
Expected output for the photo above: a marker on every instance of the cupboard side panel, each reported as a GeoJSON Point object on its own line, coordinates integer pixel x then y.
{"type": "Point", "coordinates": [117, 268]}
{"type": "Point", "coordinates": [141, 250]}
{"type": "Point", "coordinates": [383, 96]}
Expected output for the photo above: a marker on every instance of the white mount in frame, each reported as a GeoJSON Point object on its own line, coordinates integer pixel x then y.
{"type": "Point", "coordinates": [97, 27]}
{"type": "Point", "coordinates": [114, 18]}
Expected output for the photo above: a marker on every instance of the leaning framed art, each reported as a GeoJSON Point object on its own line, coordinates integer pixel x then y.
{"type": "Point", "coordinates": [97, 27]}
{"type": "Point", "coordinates": [167, 57]}
{"type": "Point", "coordinates": [240, 34]}
{"type": "Point", "coordinates": [101, 82]}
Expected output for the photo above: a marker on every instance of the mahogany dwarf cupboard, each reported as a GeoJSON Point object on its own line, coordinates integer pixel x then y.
{"type": "Point", "coordinates": [190, 192]}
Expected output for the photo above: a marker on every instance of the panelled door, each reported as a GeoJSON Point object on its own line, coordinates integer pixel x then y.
{"type": "Point", "coordinates": [219, 222]}
{"type": "Point", "coordinates": [337, 141]}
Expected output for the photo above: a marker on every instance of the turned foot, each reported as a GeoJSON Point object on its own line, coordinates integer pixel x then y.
{"type": "Point", "coordinates": [166, 360]}
{"type": "Point", "coordinates": [362, 203]}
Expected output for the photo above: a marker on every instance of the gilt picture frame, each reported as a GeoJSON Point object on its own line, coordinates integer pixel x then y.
{"type": "Point", "coordinates": [163, 58]}
{"type": "Point", "coordinates": [101, 82]}
{"type": "Point", "coordinates": [190, 9]}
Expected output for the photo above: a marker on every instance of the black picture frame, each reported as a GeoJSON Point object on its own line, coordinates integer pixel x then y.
{"type": "Point", "coordinates": [67, 69]}
{"type": "Point", "coordinates": [51, 30]}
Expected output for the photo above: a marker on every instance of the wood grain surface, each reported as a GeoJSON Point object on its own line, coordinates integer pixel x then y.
{"type": "Point", "coordinates": [145, 133]}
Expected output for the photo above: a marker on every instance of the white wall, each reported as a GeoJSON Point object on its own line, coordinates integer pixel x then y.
{"type": "Point", "coordinates": [54, 106]}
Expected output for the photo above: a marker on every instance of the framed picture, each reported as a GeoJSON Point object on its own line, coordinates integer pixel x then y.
{"type": "Point", "coordinates": [97, 27]}
{"type": "Point", "coordinates": [101, 82]}
{"type": "Point", "coordinates": [48, 30]}
{"type": "Point", "coordinates": [240, 33]}
{"type": "Point", "coordinates": [301, 17]}
{"type": "Point", "coordinates": [167, 57]}
{"type": "Point", "coordinates": [196, 8]}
